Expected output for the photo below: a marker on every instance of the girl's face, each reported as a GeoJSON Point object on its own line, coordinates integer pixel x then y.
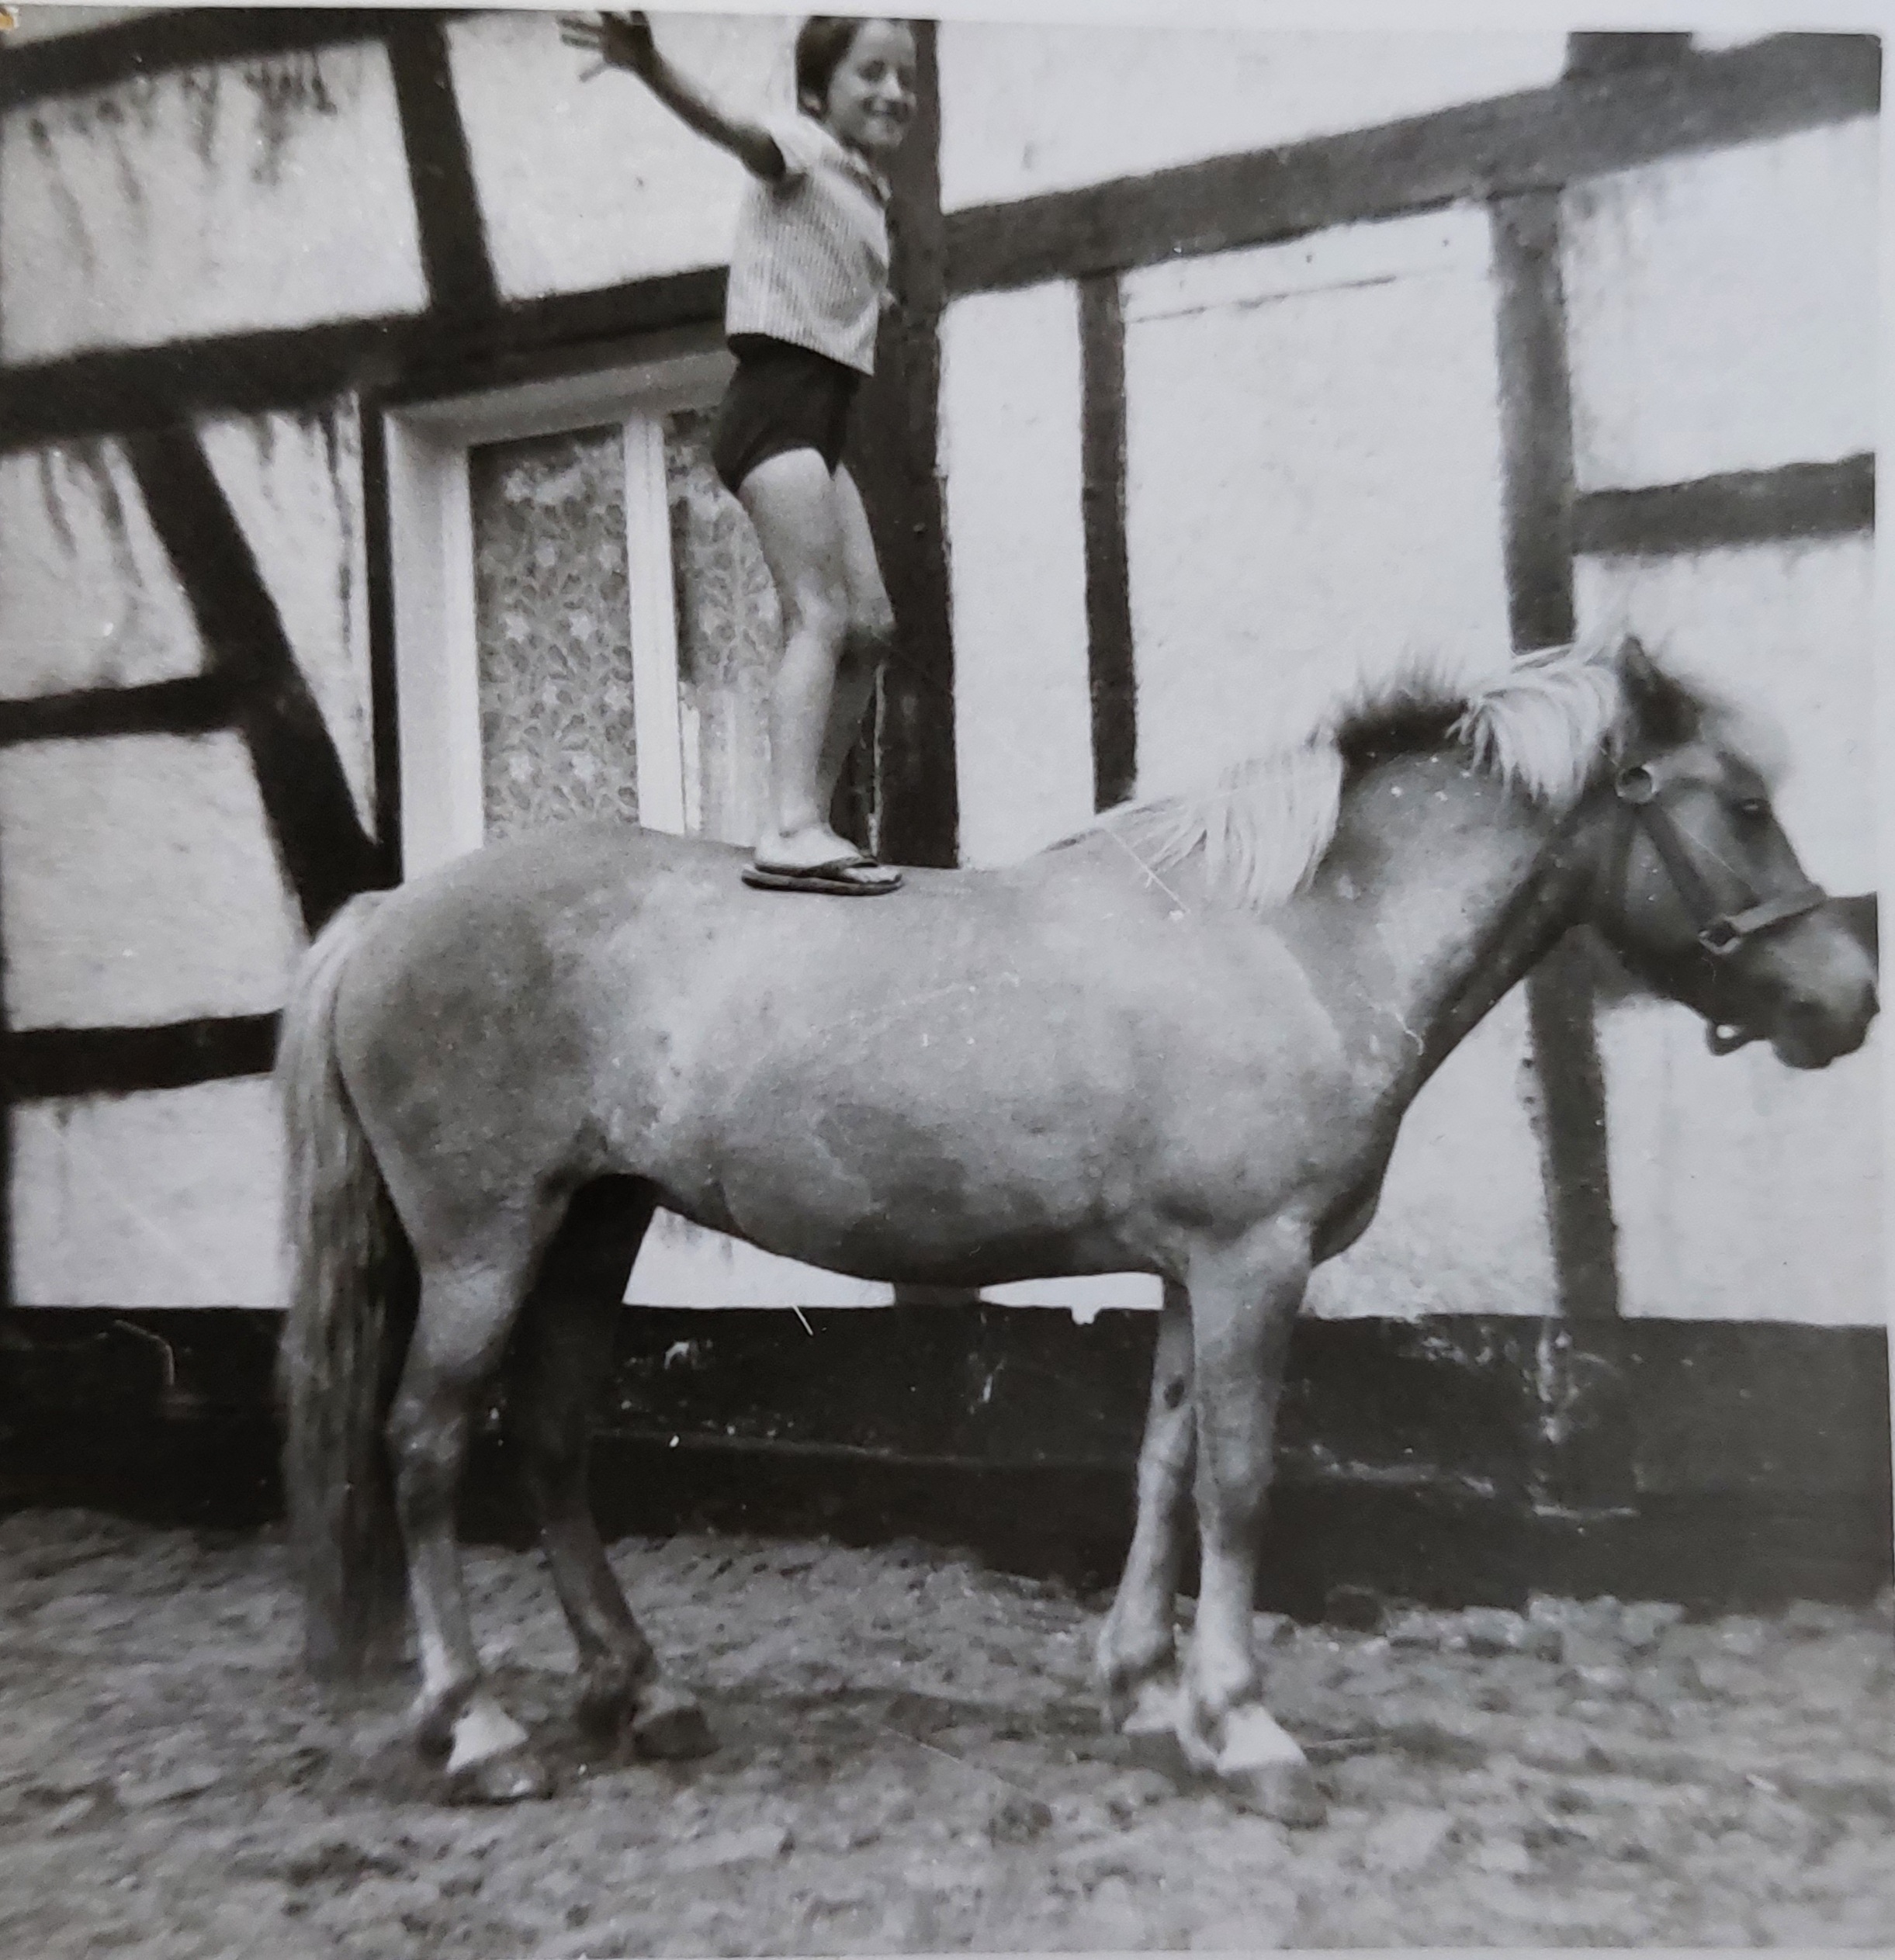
{"type": "Point", "coordinates": [871, 95]}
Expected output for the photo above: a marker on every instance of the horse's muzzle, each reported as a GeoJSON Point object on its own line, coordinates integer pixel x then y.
{"type": "Point", "coordinates": [1811, 1034]}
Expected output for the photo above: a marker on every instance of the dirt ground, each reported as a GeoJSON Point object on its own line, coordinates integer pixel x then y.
{"type": "Point", "coordinates": [911, 1761]}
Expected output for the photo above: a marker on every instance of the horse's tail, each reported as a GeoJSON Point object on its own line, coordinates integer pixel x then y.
{"type": "Point", "coordinates": [352, 1304]}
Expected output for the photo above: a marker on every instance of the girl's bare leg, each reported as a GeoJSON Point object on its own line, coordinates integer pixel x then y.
{"type": "Point", "coordinates": [866, 642]}
{"type": "Point", "coordinates": [791, 502]}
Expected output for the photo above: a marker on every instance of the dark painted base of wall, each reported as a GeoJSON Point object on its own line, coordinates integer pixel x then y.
{"type": "Point", "coordinates": [1460, 1460]}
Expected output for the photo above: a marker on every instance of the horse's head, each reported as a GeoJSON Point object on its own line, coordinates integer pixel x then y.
{"type": "Point", "coordinates": [1698, 892]}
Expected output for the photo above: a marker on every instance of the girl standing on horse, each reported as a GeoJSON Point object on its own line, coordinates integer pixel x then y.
{"type": "Point", "coordinates": [809, 282]}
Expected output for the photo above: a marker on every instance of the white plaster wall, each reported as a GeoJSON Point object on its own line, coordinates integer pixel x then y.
{"type": "Point", "coordinates": [1010, 452]}
{"type": "Point", "coordinates": [681, 1265]}
{"type": "Point", "coordinates": [587, 184]}
{"type": "Point", "coordinates": [265, 193]}
{"type": "Point", "coordinates": [1714, 42]}
{"type": "Point", "coordinates": [167, 1199]}
{"type": "Point", "coordinates": [1028, 109]}
{"type": "Point", "coordinates": [1722, 310]}
{"type": "Point", "coordinates": [138, 884]}
{"type": "Point", "coordinates": [39, 23]}
{"type": "Point", "coordinates": [1313, 480]}
{"type": "Point", "coordinates": [87, 596]}
{"type": "Point", "coordinates": [294, 482]}
{"type": "Point", "coordinates": [1313, 492]}
{"type": "Point", "coordinates": [1462, 1227]}
{"type": "Point", "coordinates": [1743, 1190]}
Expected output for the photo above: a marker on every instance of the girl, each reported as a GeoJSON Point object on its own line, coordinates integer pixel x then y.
{"type": "Point", "coordinates": [809, 281]}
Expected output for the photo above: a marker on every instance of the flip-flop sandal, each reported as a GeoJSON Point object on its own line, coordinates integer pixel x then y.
{"type": "Point", "coordinates": [838, 878]}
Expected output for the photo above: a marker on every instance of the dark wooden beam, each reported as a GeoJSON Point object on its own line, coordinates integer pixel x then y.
{"type": "Point", "coordinates": [1747, 507]}
{"type": "Point", "coordinates": [528, 340]}
{"type": "Point", "coordinates": [8, 1070]}
{"type": "Point", "coordinates": [114, 390]}
{"type": "Point", "coordinates": [1539, 140]}
{"type": "Point", "coordinates": [384, 704]}
{"type": "Point", "coordinates": [1108, 577]}
{"type": "Point", "coordinates": [109, 392]}
{"type": "Point", "coordinates": [46, 1061]}
{"type": "Point", "coordinates": [895, 452]}
{"type": "Point", "coordinates": [192, 705]}
{"type": "Point", "coordinates": [1536, 453]}
{"type": "Point", "coordinates": [1574, 1153]}
{"type": "Point", "coordinates": [1598, 54]}
{"type": "Point", "coordinates": [325, 852]}
{"type": "Point", "coordinates": [185, 37]}
{"type": "Point", "coordinates": [1535, 422]}
{"type": "Point", "coordinates": [447, 204]}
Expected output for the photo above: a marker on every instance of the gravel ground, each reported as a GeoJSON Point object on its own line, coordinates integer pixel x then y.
{"type": "Point", "coordinates": [911, 1761]}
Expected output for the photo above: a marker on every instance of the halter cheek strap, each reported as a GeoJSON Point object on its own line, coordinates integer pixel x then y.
{"type": "Point", "coordinates": [1720, 932]}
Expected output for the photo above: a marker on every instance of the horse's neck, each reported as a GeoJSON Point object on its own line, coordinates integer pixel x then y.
{"type": "Point", "coordinates": [1448, 893]}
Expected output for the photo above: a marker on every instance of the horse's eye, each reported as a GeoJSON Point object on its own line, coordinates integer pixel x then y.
{"type": "Point", "coordinates": [1753, 809]}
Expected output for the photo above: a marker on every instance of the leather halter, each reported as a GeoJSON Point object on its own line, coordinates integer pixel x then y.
{"type": "Point", "coordinates": [1721, 931]}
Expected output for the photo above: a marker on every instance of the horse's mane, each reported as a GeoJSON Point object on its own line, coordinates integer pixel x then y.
{"type": "Point", "coordinates": [1544, 725]}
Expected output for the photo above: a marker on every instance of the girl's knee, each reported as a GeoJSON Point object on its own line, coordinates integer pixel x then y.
{"type": "Point", "coordinates": [817, 613]}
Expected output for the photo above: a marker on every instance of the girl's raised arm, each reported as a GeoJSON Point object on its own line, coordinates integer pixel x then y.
{"type": "Point", "coordinates": [625, 41]}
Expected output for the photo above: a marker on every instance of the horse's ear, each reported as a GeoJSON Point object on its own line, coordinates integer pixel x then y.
{"type": "Point", "coordinates": [1665, 714]}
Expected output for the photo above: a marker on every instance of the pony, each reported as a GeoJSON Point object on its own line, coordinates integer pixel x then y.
{"type": "Point", "coordinates": [1180, 1043]}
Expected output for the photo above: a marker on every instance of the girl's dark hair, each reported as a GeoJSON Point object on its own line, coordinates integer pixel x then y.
{"type": "Point", "coordinates": [823, 43]}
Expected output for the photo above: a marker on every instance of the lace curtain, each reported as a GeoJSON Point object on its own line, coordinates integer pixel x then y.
{"type": "Point", "coordinates": [552, 585]}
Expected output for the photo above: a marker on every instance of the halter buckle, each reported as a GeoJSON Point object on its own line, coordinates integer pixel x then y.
{"type": "Point", "coordinates": [1637, 785]}
{"type": "Point", "coordinates": [1726, 934]}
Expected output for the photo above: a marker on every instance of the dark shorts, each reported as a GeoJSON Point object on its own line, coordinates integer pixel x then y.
{"type": "Point", "coordinates": [781, 398]}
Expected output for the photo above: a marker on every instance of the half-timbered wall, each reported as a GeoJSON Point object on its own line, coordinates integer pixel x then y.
{"type": "Point", "coordinates": [1227, 365]}
{"type": "Point", "coordinates": [1302, 394]}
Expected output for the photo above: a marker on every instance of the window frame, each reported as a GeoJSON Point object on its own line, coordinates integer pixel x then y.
{"type": "Point", "coordinates": [432, 574]}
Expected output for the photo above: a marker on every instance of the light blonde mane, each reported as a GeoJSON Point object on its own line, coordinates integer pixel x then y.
{"type": "Point", "coordinates": [1542, 726]}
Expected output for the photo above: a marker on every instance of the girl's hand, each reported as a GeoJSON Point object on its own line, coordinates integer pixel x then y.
{"type": "Point", "coordinates": [619, 40]}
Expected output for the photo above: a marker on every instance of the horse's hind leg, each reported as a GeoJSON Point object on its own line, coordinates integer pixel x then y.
{"type": "Point", "coordinates": [467, 1310]}
{"type": "Point", "coordinates": [1138, 1650]}
{"type": "Point", "coordinates": [559, 1368]}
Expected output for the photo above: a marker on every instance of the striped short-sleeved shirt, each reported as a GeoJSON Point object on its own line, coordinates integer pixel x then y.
{"type": "Point", "coordinates": [810, 264]}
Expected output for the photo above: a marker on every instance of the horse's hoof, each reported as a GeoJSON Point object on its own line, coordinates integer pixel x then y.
{"type": "Point", "coordinates": [670, 1727]}
{"type": "Point", "coordinates": [1150, 1726]}
{"type": "Point", "coordinates": [602, 1710]}
{"type": "Point", "coordinates": [517, 1777]}
{"type": "Point", "coordinates": [432, 1725]}
{"type": "Point", "coordinates": [1288, 1792]}
{"type": "Point", "coordinates": [1259, 1765]}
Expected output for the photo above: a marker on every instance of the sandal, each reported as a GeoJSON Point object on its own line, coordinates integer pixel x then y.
{"type": "Point", "coordinates": [854, 877]}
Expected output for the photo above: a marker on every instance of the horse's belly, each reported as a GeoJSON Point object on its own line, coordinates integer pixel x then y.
{"type": "Point", "coordinates": [914, 1191]}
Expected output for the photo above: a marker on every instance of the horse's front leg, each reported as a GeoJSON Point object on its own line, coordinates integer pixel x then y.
{"type": "Point", "coordinates": [1137, 1651]}
{"type": "Point", "coordinates": [1244, 1302]}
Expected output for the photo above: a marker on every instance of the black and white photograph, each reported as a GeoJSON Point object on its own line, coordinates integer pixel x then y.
{"type": "Point", "coordinates": [939, 982]}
